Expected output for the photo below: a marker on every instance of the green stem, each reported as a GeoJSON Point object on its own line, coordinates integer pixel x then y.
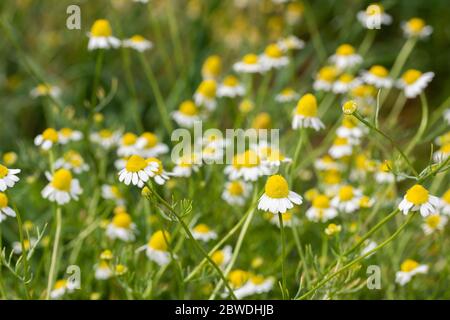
{"type": "Point", "coordinates": [24, 252]}
{"type": "Point", "coordinates": [54, 262]}
{"type": "Point", "coordinates": [423, 124]}
{"type": "Point", "coordinates": [367, 42]}
{"type": "Point", "coordinates": [285, 291]}
{"type": "Point", "coordinates": [98, 69]}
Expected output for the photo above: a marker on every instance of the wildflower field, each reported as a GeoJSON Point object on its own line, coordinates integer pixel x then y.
{"type": "Point", "coordinates": [224, 149]}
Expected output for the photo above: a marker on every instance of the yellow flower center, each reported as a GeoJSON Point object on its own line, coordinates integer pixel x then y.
{"type": "Point", "coordinates": [332, 229]}
{"type": "Point", "coordinates": [307, 106]}
{"type": "Point", "coordinates": [3, 171]}
{"type": "Point", "coordinates": [349, 121]}
{"type": "Point", "coordinates": [231, 81]}
{"type": "Point", "coordinates": [103, 265]}
{"type": "Point", "coordinates": [386, 166]}
{"type": "Point", "coordinates": [327, 74]}
{"type": "Point", "coordinates": [101, 28]}
{"type": "Point", "coordinates": [116, 192]}
{"type": "Point", "coordinates": [416, 25]}
{"type": "Point", "coordinates": [411, 76]}
{"type": "Point", "coordinates": [201, 228]}
{"type": "Point", "coordinates": [136, 163]}
{"type": "Point", "coordinates": [276, 187]}
{"type": "Point", "coordinates": [60, 284]}
{"type": "Point", "coordinates": [273, 51]}
{"type": "Point", "coordinates": [159, 240]}
{"type": "Point", "coordinates": [340, 141]}
{"type": "Point", "coordinates": [257, 279]}
{"type": "Point", "coordinates": [433, 221]}
{"type": "Point", "coordinates": [262, 121]}
{"type": "Point", "coordinates": [287, 216]}
{"type": "Point", "coordinates": [446, 196]}
{"type": "Point", "coordinates": [152, 139]}
{"type": "Point", "coordinates": [137, 38]}
{"type": "Point", "coordinates": [122, 220]}
{"type": "Point", "coordinates": [238, 278]}
{"type": "Point", "coordinates": [248, 159]}
{"type": "Point", "coordinates": [379, 71]}
{"type": "Point", "coordinates": [43, 89]}
{"type": "Point", "coordinates": [66, 132]}
{"type": "Point", "coordinates": [250, 58]}
{"type": "Point", "coordinates": [346, 193]}
{"type": "Point", "coordinates": [417, 195]}
{"type": "Point", "coordinates": [188, 108]}
{"type": "Point", "coordinates": [321, 202]}
{"type": "Point", "coordinates": [212, 66]}
{"type": "Point", "coordinates": [409, 265]}
{"type": "Point", "coordinates": [120, 269]}
{"type": "Point", "coordinates": [349, 107]}
{"type": "Point", "coordinates": [62, 180]}
{"type": "Point", "coordinates": [50, 134]}
{"type": "Point", "coordinates": [208, 88]}
{"type": "Point", "coordinates": [10, 158]}
{"type": "Point", "coordinates": [345, 50]}
{"type": "Point", "coordinates": [160, 165]}
{"type": "Point", "coordinates": [246, 106]}
{"type": "Point", "coordinates": [218, 257]}
{"type": "Point", "coordinates": [275, 155]}
{"type": "Point", "coordinates": [346, 78]}
{"type": "Point", "coordinates": [105, 133]}
{"type": "Point", "coordinates": [129, 139]}
{"type": "Point", "coordinates": [106, 255]}
{"type": "Point", "coordinates": [3, 200]}
{"type": "Point", "coordinates": [332, 177]}
{"type": "Point", "coordinates": [374, 9]}
{"type": "Point", "coordinates": [287, 92]}
{"type": "Point", "coordinates": [235, 188]}
{"type": "Point", "coordinates": [445, 149]}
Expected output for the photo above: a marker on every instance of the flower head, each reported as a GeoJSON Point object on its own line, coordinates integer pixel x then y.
{"type": "Point", "coordinates": [100, 36]}
{"type": "Point", "coordinates": [62, 187]}
{"type": "Point", "coordinates": [277, 197]}
{"type": "Point", "coordinates": [417, 198]}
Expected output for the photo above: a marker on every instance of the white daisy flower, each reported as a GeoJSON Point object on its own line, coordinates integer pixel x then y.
{"type": "Point", "coordinates": [417, 198]}
{"type": "Point", "coordinates": [110, 192]}
{"type": "Point", "coordinates": [137, 42]}
{"type": "Point", "coordinates": [250, 63]}
{"type": "Point", "coordinates": [212, 67]}
{"type": "Point", "coordinates": [345, 57]}
{"type": "Point", "coordinates": [5, 211]}
{"type": "Point", "coordinates": [341, 148]}
{"type": "Point", "coordinates": [157, 248]}
{"type": "Point", "coordinates": [377, 76]}
{"type": "Point", "coordinates": [47, 139]}
{"type": "Point", "coordinates": [287, 95]}
{"type": "Point", "coordinates": [374, 17]}
{"type": "Point", "coordinates": [327, 163]}
{"type": "Point", "coordinates": [62, 187]}
{"type": "Point", "coordinates": [73, 161]}
{"type": "Point", "coordinates": [137, 171]}
{"type": "Point", "coordinates": [27, 244]}
{"type": "Point", "coordinates": [408, 269]}
{"type": "Point", "coordinates": [369, 246]}
{"type": "Point", "coordinates": [121, 227]}
{"type": "Point", "coordinates": [273, 159]}
{"type": "Point", "coordinates": [236, 192]}
{"type": "Point", "coordinates": [212, 154]}
{"type": "Point", "coordinates": [66, 135]}
{"type": "Point", "coordinates": [445, 203]}
{"type": "Point", "coordinates": [345, 83]}
{"type": "Point", "coordinates": [105, 138]}
{"type": "Point", "coordinates": [248, 166]}
{"type": "Point", "coordinates": [158, 174]}
{"type": "Point", "coordinates": [8, 177]}
{"type": "Point", "coordinates": [187, 114]}
{"type": "Point", "coordinates": [101, 36]}
{"type": "Point", "coordinates": [273, 57]}
{"type": "Point", "coordinates": [149, 145]}
{"type": "Point", "coordinates": [103, 271]}
{"type": "Point", "coordinates": [45, 89]}
{"type": "Point", "coordinates": [60, 288]}
{"type": "Point", "coordinates": [321, 210]}
{"type": "Point", "coordinates": [203, 232]}
{"type": "Point", "coordinates": [186, 165]}
{"type": "Point", "coordinates": [325, 78]}
{"type": "Point", "coordinates": [416, 27]}
{"type": "Point", "coordinates": [222, 257]}
{"type": "Point", "coordinates": [128, 145]}
{"type": "Point", "coordinates": [350, 130]}
{"type": "Point", "coordinates": [277, 197]}
{"type": "Point", "coordinates": [306, 114]}
{"type": "Point", "coordinates": [205, 95]}
{"type": "Point", "coordinates": [414, 82]}
{"type": "Point", "coordinates": [255, 285]}
{"type": "Point", "coordinates": [434, 222]}
{"type": "Point", "coordinates": [291, 43]}
{"type": "Point", "coordinates": [384, 174]}
{"type": "Point", "coordinates": [230, 87]}
{"type": "Point", "coordinates": [348, 199]}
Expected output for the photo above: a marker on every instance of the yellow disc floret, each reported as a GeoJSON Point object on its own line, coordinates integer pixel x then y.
{"type": "Point", "coordinates": [346, 193]}
{"type": "Point", "coordinates": [159, 240]}
{"type": "Point", "coordinates": [321, 202]}
{"type": "Point", "coordinates": [188, 108]}
{"type": "Point", "coordinates": [136, 163]}
{"type": "Point", "coordinates": [250, 58]}
{"type": "Point", "coordinates": [101, 28]}
{"type": "Point", "coordinates": [411, 76]}
{"type": "Point", "coordinates": [276, 187]}
{"type": "Point", "coordinates": [201, 228]}
{"type": "Point", "coordinates": [50, 134]}
{"type": "Point", "coordinates": [235, 188]}
{"type": "Point", "coordinates": [207, 88]}
{"type": "Point", "coordinates": [417, 195]}
{"type": "Point", "coordinates": [3, 171]}
{"type": "Point", "coordinates": [379, 71]}
{"type": "Point", "coordinates": [345, 50]}
{"type": "Point", "coordinates": [273, 51]}
{"type": "Point", "coordinates": [3, 200]}
{"type": "Point", "coordinates": [409, 265]}
{"type": "Point", "coordinates": [307, 106]}
{"type": "Point", "coordinates": [152, 139]}
{"type": "Point", "coordinates": [416, 25]}
{"type": "Point", "coordinates": [122, 220]}
{"type": "Point", "coordinates": [62, 180]}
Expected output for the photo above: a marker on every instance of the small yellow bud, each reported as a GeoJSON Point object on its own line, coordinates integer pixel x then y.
{"type": "Point", "coordinates": [349, 107]}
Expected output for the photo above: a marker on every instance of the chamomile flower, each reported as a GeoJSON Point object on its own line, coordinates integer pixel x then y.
{"type": "Point", "coordinates": [326, 163]}
{"type": "Point", "coordinates": [417, 198]}
{"type": "Point", "coordinates": [9, 158]}
{"type": "Point", "coordinates": [374, 17]}
{"type": "Point", "coordinates": [236, 192]}
{"type": "Point", "coordinates": [149, 145]}
{"type": "Point", "coordinates": [230, 87]}
{"type": "Point", "coordinates": [5, 211]}
{"type": "Point", "coordinates": [137, 171]}
{"type": "Point", "coordinates": [73, 161]}
{"type": "Point", "coordinates": [101, 36]}
{"type": "Point", "coordinates": [157, 172]}
{"type": "Point", "coordinates": [416, 28]}
{"type": "Point", "coordinates": [364, 96]}
{"type": "Point", "coordinates": [187, 114]}
{"type": "Point", "coordinates": [274, 158]}
{"type": "Point", "coordinates": [350, 130]}
{"type": "Point", "coordinates": [434, 222]}
{"type": "Point", "coordinates": [287, 95]}
{"type": "Point", "coordinates": [110, 192]}
{"type": "Point", "coordinates": [47, 139]}
{"type": "Point", "coordinates": [273, 57]}
{"type": "Point", "coordinates": [341, 148]}
{"type": "Point", "coordinates": [121, 227]}
{"type": "Point", "coordinates": [206, 94]}
{"type": "Point", "coordinates": [8, 177]}
{"type": "Point", "coordinates": [212, 154]}
{"type": "Point", "coordinates": [369, 246]}
{"type": "Point", "coordinates": [377, 76]}
{"type": "Point", "coordinates": [294, 13]}
{"type": "Point", "coordinates": [384, 173]}
{"type": "Point", "coordinates": [138, 42]}
{"type": "Point", "coordinates": [325, 78]}
{"type": "Point", "coordinates": [60, 288]}
{"type": "Point", "coordinates": [414, 82]}
{"type": "Point", "coordinates": [445, 203]}
{"type": "Point", "coordinates": [347, 199]}
{"type": "Point", "coordinates": [331, 182]}
{"type": "Point", "coordinates": [157, 248]}
{"type": "Point", "coordinates": [277, 197]}
{"type": "Point", "coordinates": [248, 166]}
{"type": "Point", "coordinates": [203, 232]}
{"type": "Point", "coordinates": [256, 284]}
{"type": "Point", "coordinates": [44, 90]}
{"type": "Point", "coordinates": [332, 229]}
{"type": "Point", "coordinates": [291, 43]}
{"type": "Point", "coordinates": [127, 145]}
{"type": "Point", "coordinates": [222, 257]}
{"type": "Point", "coordinates": [408, 269]}
{"type": "Point", "coordinates": [345, 83]}
{"type": "Point", "coordinates": [345, 57]}
{"type": "Point", "coordinates": [103, 271]}
{"type": "Point", "coordinates": [105, 138]}
{"type": "Point", "coordinates": [66, 135]}
{"type": "Point", "coordinates": [186, 165]}
{"type": "Point", "coordinates": [237, 278]}
{"type": "Point", "coordinates": [250, 63]}
{"type": "Point", "coordinates": [212, 67]}
{"type": "Point", "coordinates": [27, 245]}
{"type": "Point", "coordinates": [321, 209]}
{"type": "Point", "coordinates": [306, 114]}
{"type": "Point", "coordinates": [289, 219]}
{"type": "Point", "coordinates": [62, 187]}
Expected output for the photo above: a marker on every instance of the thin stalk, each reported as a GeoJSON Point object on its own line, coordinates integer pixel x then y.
{"type": "Point", "coordinates": [301, 254]}
{"type": "Point", "coordinates": [98, 69]}
{"type": "Point", "coordinates": [54, 262]}
{"type": "Point", "coordinates": [367, 42]}
{"type": "Point", "coordinates": [422, 126]}
{"type": "Point", "coordinates": [284, 291]}
{"type": "Point", "coordinates": [24, 252]}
